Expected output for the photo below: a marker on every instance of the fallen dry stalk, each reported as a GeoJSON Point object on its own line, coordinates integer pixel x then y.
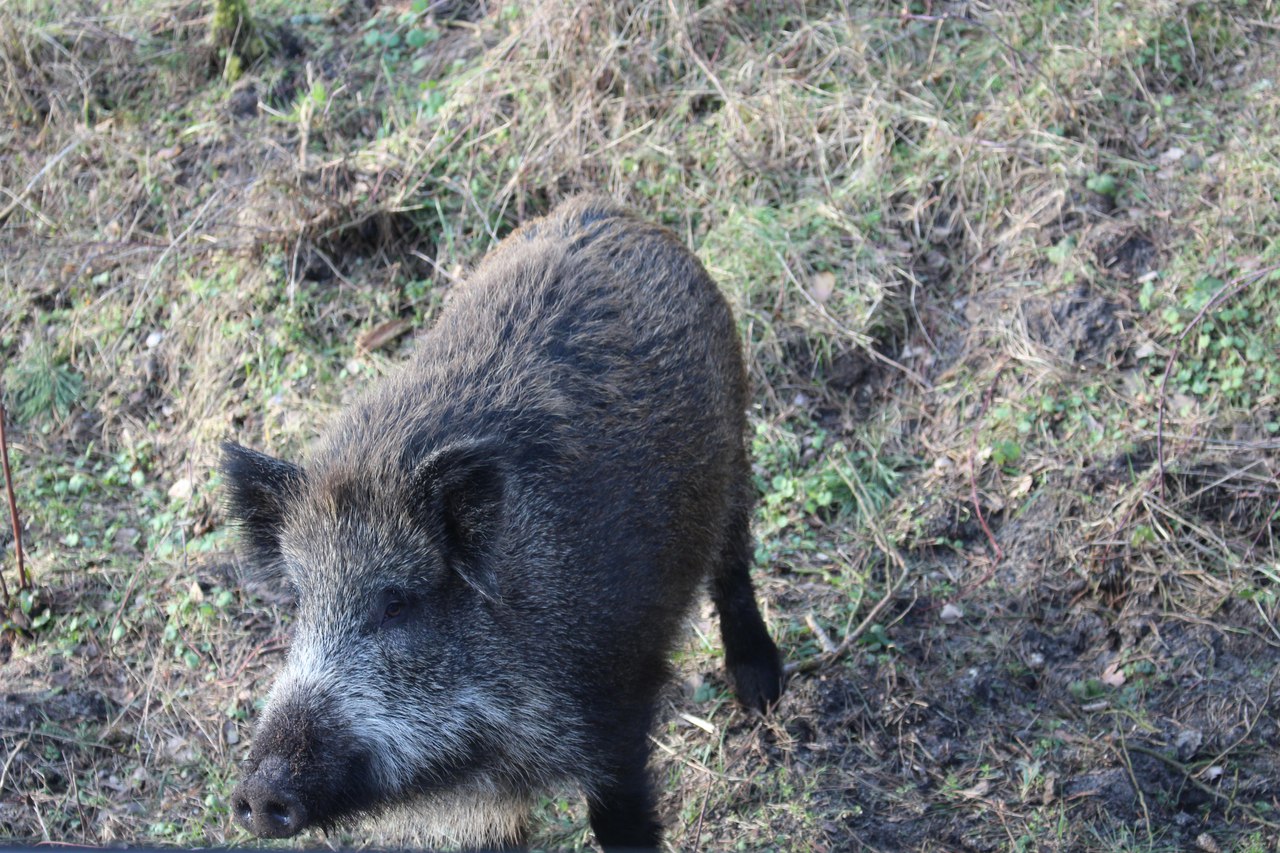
{"type": "Point", "coordinates": [826, 658]}
{"type": "Point", "coordinates": [1190, 777]}
{"type": "Point", "coordinates": [835, 653]}
{"type": "Point", "coordinates": [23, 580]}
{"type": "Point", "coordinates": [973, 479]}
{"type": "Point", "coordinates": [20, 197]}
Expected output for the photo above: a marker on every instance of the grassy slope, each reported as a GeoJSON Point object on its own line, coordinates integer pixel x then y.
{"type": "Point", "coordinates": [965, 251]}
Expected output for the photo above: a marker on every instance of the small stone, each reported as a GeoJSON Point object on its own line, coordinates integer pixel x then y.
{"type": "Point", "coordinates": [181, 490]}
{"type": "Point", "coordinates": [1205, 842]}
{"type": "Point", "coordinates": [951, 614]}
{"type": "Point", "coordinates": [1188, 743]}
{"type": "Point", "coordinates": [824, 284]}
{"type": "Point", "coordinates": [126, 539]}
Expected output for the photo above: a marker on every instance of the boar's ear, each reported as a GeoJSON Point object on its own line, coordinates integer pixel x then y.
{"type": "Point", "coordinates": [259, 488]}
{"type": "Point", "coordinates": [460, 491]}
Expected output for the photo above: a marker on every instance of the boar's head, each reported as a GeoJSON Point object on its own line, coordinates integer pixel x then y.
{"type": "Point", "coordinates": [398, 683]}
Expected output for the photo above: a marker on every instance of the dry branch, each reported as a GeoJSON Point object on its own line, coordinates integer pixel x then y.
{"type": "Point", "coordinates": [24, 582]}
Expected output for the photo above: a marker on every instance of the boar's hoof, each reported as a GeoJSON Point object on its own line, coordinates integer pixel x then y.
{"type": "Point", "coordinates": [758, 683]}
{"type": "Point", "coordinates": [266, 805]}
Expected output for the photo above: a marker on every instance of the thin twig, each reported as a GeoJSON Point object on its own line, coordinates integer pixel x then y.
{"type": "Point", "coordinates": [973, 474]}
{"type": "Point", "coordinates": [905, 17]}
{"type": "Point", "coordinates": [23, 580]}
{"type": "Point", "coordinates": [48, 734]}
{"type": "Point", "coordinates": [828, 657]}
{"type": "Point", "coordinates": [124, 603]}
{"type": "Point", "coordinates": [20, 197]}
{"type": "Point", "coordinates": [75, 790]}
{"type": "Point", "coordinates": [1266, 525]}
{"type": "Point", "coordinates": [1190, 777]}
{"type": "Point", "coordinates": [145, 296]}
{"type": "Point", "coordinates": [267, 646]}
{"type": "Point", "coordinates": [824, 641]}
{"type": "Point", "coordinates": [4, 771]}
{"type": "Point", "coordinates": [694, 763]}
{"type": "Point", "coordinates": [1137, 789]}
{"type": "Point", "coordinates": [862, 341]}
{"type": "Point", "coordinates": [702, 812]}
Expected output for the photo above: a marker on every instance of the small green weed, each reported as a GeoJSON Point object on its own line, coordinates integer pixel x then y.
{"type": "Point", "coordinates": [1232, 358]}
{"type": "Point", "coordinates": [42, 385]}
{"type": "Point", "coordinates": [192, 622]}
{"type": "Point", "coordinates": [32, 606]}
{"type": "Point", "coordinates": [804, 476]}
{"type": "Point", "coordinates": [397, 36]}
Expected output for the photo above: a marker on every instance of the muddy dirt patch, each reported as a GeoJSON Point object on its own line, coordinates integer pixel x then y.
{"type": "Point", "coordinates": [1080, 326]}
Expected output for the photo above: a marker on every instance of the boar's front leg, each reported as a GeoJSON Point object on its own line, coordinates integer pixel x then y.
{"type": "Point", "coordinates": [622, 811]}
{"type": "Point", "coordinates": [754, 665]}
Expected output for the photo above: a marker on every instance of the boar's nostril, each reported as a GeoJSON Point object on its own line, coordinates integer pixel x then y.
{"type": "Point", "coordinates": [266, 811]}
{"type": "Point", "coordinates": [243, 811]}
{"type": "Point", "coordinates": [280, 818]}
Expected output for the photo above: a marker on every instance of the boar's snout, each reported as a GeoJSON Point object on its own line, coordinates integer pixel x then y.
{"type": "Point", "coordinates": [266, 803]}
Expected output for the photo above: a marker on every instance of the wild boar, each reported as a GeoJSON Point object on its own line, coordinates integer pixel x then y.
{"type": "Point", "coordinates": [494, 550]}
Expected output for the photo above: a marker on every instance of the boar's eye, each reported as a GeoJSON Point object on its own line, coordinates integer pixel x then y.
{"type": "Point", "coordinates": [394, 609]}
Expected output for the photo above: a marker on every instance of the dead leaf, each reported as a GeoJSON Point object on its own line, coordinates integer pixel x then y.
{"type": "Point", "coordinates": [181, 490]}
{"type": "Point", "coordinates": [1112, 676]}
{"type": "Point", "coordinates": [381, 335]}
{"type": "Point", "coordinates": [1021, 486]}
{"type": "Point", "coordinates": [1182, 404]}
{"type": "Point", "coordinates": [824, 284]}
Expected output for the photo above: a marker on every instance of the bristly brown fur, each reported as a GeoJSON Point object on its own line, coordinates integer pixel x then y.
{"type": "Point", "coordinates": [495, 547]}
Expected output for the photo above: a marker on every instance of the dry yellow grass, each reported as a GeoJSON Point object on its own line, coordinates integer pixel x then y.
{"type": "Point", "coordinates": [965, 241]}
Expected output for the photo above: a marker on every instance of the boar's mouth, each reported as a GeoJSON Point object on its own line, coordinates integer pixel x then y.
{"type": "Point", "coordinates": [305, 769]}
{"type": "Point", "coordinates": [267, 804]}
{"type": "Point", "coordinates": [277, 801]}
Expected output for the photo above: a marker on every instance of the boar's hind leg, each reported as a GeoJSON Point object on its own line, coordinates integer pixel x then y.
{"type": "Point", "coordinates": [622, 813]}
{"type": "Point", "coordinates": [752, 659]}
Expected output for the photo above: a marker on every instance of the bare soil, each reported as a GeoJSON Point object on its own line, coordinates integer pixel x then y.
{"type": "Point", "coordinates": [1019, 530]}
